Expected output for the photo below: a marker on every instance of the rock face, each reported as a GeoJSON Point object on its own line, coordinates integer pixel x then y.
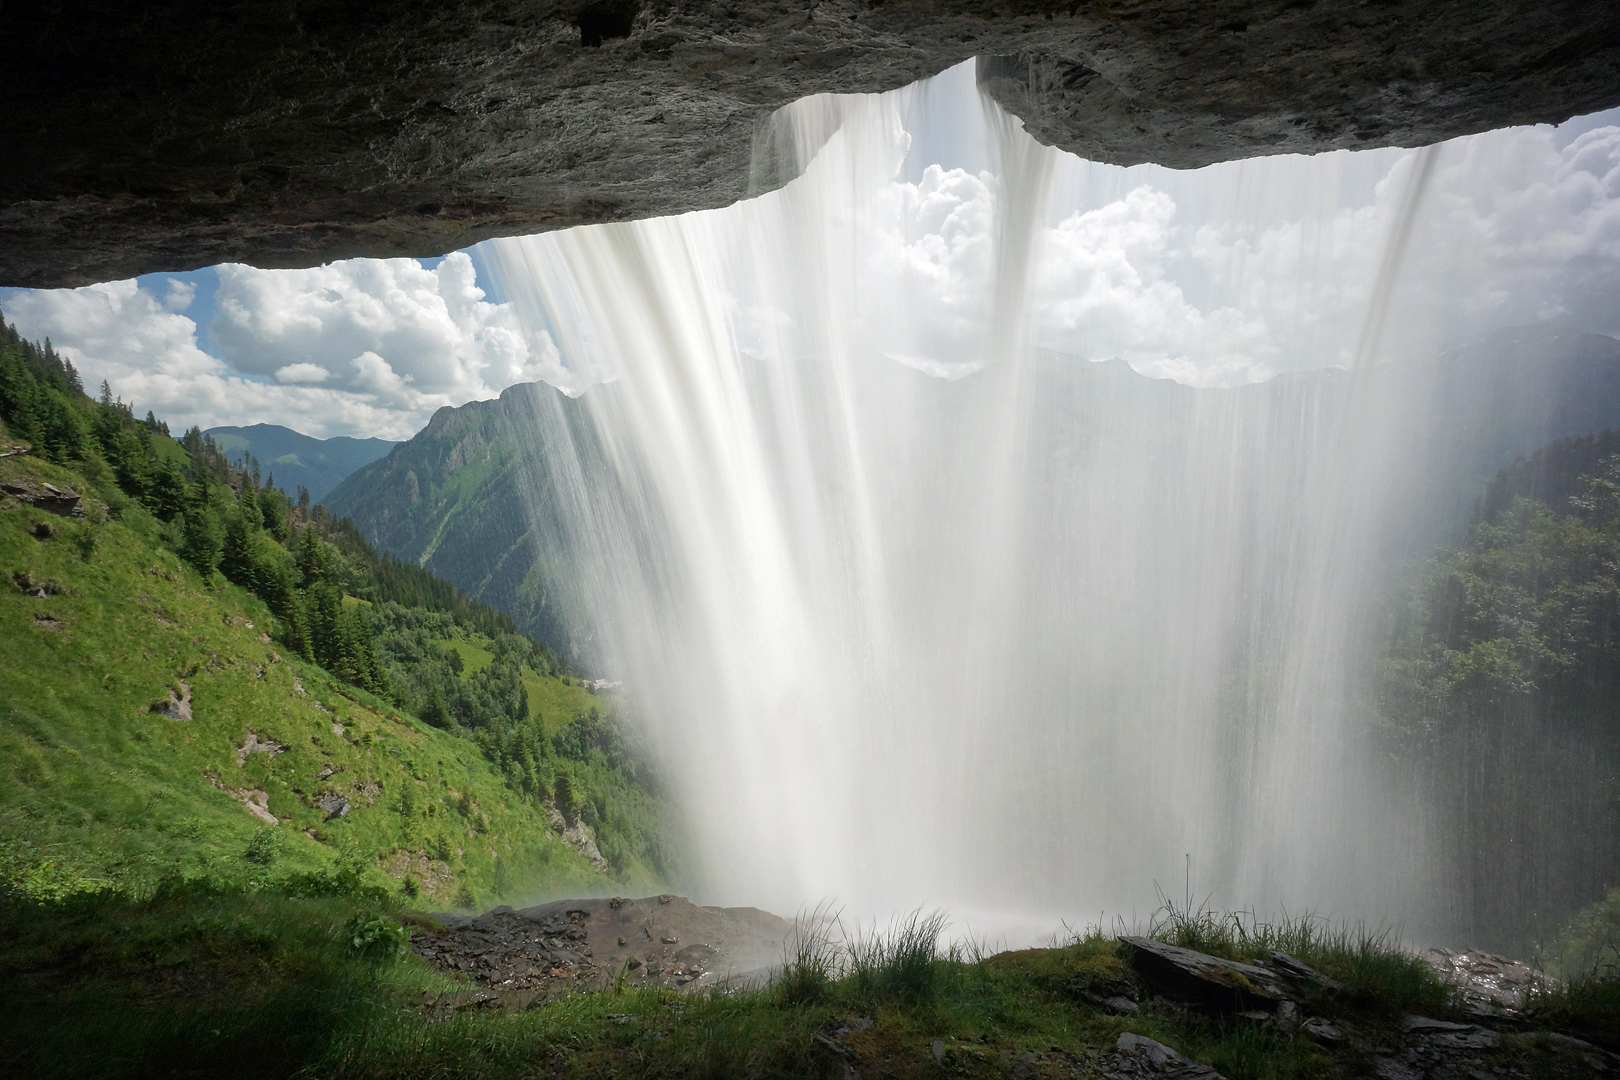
{"type": "Point", "coordinates": [290, 132]}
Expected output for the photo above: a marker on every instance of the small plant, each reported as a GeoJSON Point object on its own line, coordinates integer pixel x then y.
{"type": "Point", "coordinates": [375, 936]}
{"type": "Point", "coordinates": [84, 541]}
{"type": "Point", "coordinates": [902, 965]}
{"type": "Point", "coordinates": [263, 848]}
{"type": "Point", "coordinates": [811, 958]}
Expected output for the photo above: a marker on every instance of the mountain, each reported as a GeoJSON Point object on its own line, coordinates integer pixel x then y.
{"type": "Point", "coordinates": [471, 498]}
{"type": "Point", "coordinates": [476, 495]}
{"type": "Point", "coordinates": [205, 682]}
{"type": "Point", "coordinates": [297, 460]}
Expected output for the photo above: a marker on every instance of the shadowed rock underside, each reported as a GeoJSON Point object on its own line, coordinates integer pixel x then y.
{"type": "Point", "coordinates": [287, 133]}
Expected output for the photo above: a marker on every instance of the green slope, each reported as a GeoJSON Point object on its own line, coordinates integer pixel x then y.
{"type": "Point", "coordinates": [200, 678]}
{"type": "Point", "coordinates": [297, 460]}
{"type": "Point", "coordinates": [98, 786]}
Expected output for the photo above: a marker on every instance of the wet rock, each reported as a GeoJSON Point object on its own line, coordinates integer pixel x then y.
{"type": "Point", "coordinates": [1490, 984]}
{"type": "Point", "coordinates": [830, 1037]}
{"type": "Point", "coordinates": [1204, 980]}
{"type": "Point", "coordinates": [1323, 1030]}
{"type": "Point", "coordinates": [254, 743]}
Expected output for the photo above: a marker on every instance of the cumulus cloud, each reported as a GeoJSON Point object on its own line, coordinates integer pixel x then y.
{"type": "Point", "coordinates": [926, 290]}
{"type": "Point", "coordinates": [1511, 228]}
{"type": "Point", "coordinates": [365, 347]}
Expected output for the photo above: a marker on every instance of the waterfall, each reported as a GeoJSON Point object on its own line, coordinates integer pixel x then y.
{"type": "Point", "coordinates": [925, 595]}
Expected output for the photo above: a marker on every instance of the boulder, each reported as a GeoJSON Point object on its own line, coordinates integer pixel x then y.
{"type": "Point", "coordinates": [1208, 981]}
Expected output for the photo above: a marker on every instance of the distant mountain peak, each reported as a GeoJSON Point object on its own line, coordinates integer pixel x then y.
{"type": "Point", "coordinates": [300, 460]}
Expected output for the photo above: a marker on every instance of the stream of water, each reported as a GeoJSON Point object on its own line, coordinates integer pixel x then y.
{"type": "Point", "coordinates": [935, 581]}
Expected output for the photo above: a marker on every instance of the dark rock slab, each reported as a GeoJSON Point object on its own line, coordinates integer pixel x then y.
{"type": "Point", "coordinates": [1207, 981]}
{"type": "Point", "coordinates": [293, 132]}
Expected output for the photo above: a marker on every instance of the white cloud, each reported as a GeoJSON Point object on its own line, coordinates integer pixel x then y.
{"type": "Point", "coordinates": [366, 347]}
{"type": "Point", "coordinates": [179, 294]}
{"type": "Point", "coordinates": [1511, 229]}
{"type": "Point", "coordinates": [302, 373]}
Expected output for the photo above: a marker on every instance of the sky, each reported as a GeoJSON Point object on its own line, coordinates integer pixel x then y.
{"type": "Point", "coordinates": [1217, 276]}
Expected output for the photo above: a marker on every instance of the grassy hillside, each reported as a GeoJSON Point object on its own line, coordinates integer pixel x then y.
{"type": "Point", "coordinates": [297, 460]}
{"type": "Point", "coordinates": [205, 681]}
{"type": "Point", "coordinates": [102, 786]}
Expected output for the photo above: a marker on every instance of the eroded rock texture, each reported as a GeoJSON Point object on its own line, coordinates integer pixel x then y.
{"type": "Point", "coordinates": [289, 132]}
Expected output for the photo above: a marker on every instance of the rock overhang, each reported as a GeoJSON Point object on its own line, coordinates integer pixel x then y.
{"type": "Point", "coordinates": [176, 135]}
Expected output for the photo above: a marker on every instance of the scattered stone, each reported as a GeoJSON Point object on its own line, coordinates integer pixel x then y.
{"type": "Point", "coordinates": [1444, 1033]}
{"type": "Point", "coordinates": [46, 622]}
{"type": "Point", "coordinates": [257, 803]}
{"type": "Point", "coordinates": [177, 706]}
{"type": "Point", "coordinates": [254, 744]}
{"type": "Point", "coordinates": [1137, 1056]}
{"type": "Point", "coordinates": [937, 1052]}
{"type": "Point", "coordinates": [830, 1037]}
{"type": "Point", "coordinates": [1323, 1030]}
{"type": "Point", "coordinates": [1201, 979]}
{"type": "Point", "coordinates": [587, 944]}
{"type": "Point", "coordinates": [332, 805]}
{"type": "Point", "coordinates": [42, 530]}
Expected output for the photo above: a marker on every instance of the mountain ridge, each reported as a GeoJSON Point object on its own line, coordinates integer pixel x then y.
{"type": "Point", "coordinates": [474, 497]}
{"type": "Point", "coordinates": [297, 460]}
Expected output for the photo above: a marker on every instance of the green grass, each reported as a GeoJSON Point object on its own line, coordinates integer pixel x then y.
{"type": "Point", "coordinates": [303, 980]}
{"type": "Point", "coordinates": [1373, 970]}
{"type": "Point", "coordinates": [97, 788]}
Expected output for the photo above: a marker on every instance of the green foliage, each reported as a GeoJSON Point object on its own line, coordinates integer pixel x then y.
{"type": "Point", "coordinates": [376, 936]}
{"type": "Point", "coordinates": [191, 978]}
{"type": "Point", "coordinates": [183, 518]}
{"type": "Point", "coordinates": [1503, 676]}
{"type": "Point", "coordinates": [902, 965]}
{"type": "Point", "coordinates": [263, 848]}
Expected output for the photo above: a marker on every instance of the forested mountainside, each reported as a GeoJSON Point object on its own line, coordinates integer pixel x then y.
{"type": "Point", "coordinates": [1501, 690]}
{"type": "Point", "coordinates": [295, 460]}
{"type": "Point", "coordinates": [475, 495]}
{"type": "Point", "coordinates": [207, 679]}
{"type": "Point", "coordinates": [471, 497]}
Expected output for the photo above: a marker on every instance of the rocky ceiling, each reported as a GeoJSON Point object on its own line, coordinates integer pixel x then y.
{"type": "Point", "coordinates": [153, 136]}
